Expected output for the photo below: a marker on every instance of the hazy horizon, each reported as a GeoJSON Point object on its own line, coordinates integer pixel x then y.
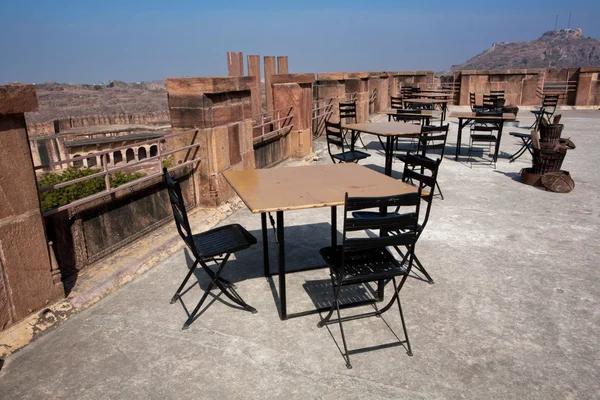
{"type": "Point", "coordinates": [80, 42]}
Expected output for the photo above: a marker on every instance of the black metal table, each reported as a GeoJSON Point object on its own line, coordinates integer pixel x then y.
{"type": "Point", "coordinates": [295, 188]}
{"type": "Point", "coordinates": [465, 118]}
{"type": "Point", "coordinates": [389, 130]}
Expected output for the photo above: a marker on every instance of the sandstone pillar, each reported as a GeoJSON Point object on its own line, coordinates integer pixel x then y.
{"type": "Point", "coordinates": [220, 109]}
{"type": "Point", "coordinates": [255, 96]}
{"type": "Point", "coordinates": [282, 65]}
{"type": "Point", "coordinates": [296, 90]}
{"type": "Point", "coordinates": [235, 63]}
{"type": "Point", "coordinates": [269, 62]}
{"type": "Point", "coordinates": [26, 283]}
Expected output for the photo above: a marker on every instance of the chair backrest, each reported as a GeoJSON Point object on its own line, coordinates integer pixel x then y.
{"type": "Point", "coordinates": [348, 111]}
{"type": "Point", "coordinates": [334, 135]}
{"type": "Point", "coordinates": [179, 211]}
{"type": "Point", "coordinates": [498, 93]}
{"type": "Point", "coordinates": [406, 223]}
{"type": "Point", "coordinates": [550, 100]}
{"type": "Point", "coordinates": [432, 138]}
{"type": "Point", "coordinates": [396, 102]}
{"type": "Point", "coordinates": [408, 115]}
{"type": "Point", "coordinates": [472, 100]}
{"type": "Point", "coordinates": [406, 91]}
{"type": "Point", "coordinates": [422, 171]}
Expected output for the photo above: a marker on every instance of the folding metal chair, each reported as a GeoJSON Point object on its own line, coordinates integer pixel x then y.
{"type": "Point", "coordinates": [348, 114]}
{"type": "Point", "coordinates": [335, 137]}
{"type": "Point", "coordinates": [547, 109]}
{"type": "Point", "coordinates": [397, 102]}
{"type": "Point", "coordinates": [422, 172]}
{"type": "Point", "coordinates": [360, 260]}
{"type": "Point", "coordinates": [482, 131]}
{"type": "Point", "coordinates": [213, 246]}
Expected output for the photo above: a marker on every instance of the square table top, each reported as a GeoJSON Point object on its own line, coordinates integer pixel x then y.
{"type": "Point", "coordinates": [311, 186]}
{"type": "Point", "coordinates": [421, 100]}
{"type": "Point", "coordinates": [472, 115]}
{"type": "Point", "coordinates": [385, 128]}
{"type": "Point", "coordinates": [425, 113]}
{"type": "Point", "coordinates": [447, 91]}
{"type": "Point", "coordinates": [434, 94]}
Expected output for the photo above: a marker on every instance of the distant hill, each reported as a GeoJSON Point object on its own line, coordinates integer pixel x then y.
{"type": "Point", "coordinates": [58, 100]}
{"type": "Point", "coordinates": [558, 49]}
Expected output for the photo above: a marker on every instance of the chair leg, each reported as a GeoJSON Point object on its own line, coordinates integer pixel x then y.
{"type": "Point", "coordinates": [336, 290]}
{"type": "Point", "coordinates": [346, 355]}
{"type": "Point", "coordinates": [439, 189]}
{"type": "Point", "coordinates": [409, 352]}
{"type": "Point", "coordinates": [187, 277]}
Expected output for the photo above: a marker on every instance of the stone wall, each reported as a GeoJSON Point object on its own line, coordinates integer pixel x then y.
{"type": "Point", "coordinates": [26, 274]}
{"type": "Point", "coordinates": [525, 86]}
{"type": "Point", "coordinates": [62, 124]}
{"type": "Point", "coordinates": [220, 110]}
{"type": "Point", "coordinates": [84, 234]}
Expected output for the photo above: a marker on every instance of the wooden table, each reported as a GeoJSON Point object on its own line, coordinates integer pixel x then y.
{"type": "Point", "coordinates": [443, 103]}
{"type": "Point", "coordinates": [389, 130]}
{"type": "Point", "coordinates": [297, 188]}
{"type": "Point", "coordinates": [433, 95]}
{"type": "Point", "coordinates": [466, 117]}
{"type": "Point", "coordinates": [425, 115]}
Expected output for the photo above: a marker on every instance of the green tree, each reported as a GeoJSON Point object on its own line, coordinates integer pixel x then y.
{"type": "Point", "coordinates": [65, 195]}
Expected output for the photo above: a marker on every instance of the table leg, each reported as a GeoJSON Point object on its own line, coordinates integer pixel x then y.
{"type": "Point", "coordinates": [333, 226]}
{"type": "Point", "coordinates": [265, 239]}
{"type": "Point", "coordinates": [389, 152]}
{"type": "Point", "coordinates": [459, 138]}
{"type": "Point", "coordinates": [500, 126]}
{"type": "Point", "coordinates": [281, 266]}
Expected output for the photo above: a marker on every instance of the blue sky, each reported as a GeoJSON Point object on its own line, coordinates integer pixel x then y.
{"type": "Point", "coordinates": [94, 41]}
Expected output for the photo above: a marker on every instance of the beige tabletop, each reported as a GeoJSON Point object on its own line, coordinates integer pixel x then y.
{"type": "Point", "coordinates": [425, 113]}
{"type": "Point", "coordinates": [311, 186]}
{"type": "Point", "coordinates": [446, 91]}
{"type": "Point", "coordinates": [385, 128]}
{"type": "Point", "coordinates": [421, 100]}
{"type": "Point", "coordinates": [472, 115]}
{"type": "Point", "coordinates": [433, 94]}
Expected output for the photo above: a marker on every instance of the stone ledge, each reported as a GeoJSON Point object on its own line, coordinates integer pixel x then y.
{"type": "Point", "coordinates": [214, 84]}
{"type": "Point", "coordinates": [293, 78]}
{"type": "Point", "coordinates": [16, 99]}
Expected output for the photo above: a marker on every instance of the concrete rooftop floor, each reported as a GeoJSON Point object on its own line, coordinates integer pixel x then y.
{"type": "Point", "coordinates": [513, 312]}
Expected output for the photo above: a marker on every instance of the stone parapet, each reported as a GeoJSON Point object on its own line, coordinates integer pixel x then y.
{"type": "Point", "coordinates": [220, 111]}
{"type": "Point", "coordinates": [26, 281]}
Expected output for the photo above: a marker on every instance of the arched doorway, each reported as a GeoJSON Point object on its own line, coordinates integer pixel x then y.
{"type": "Point", "coordinates": [91, 161]}
{"type": "Point", "coordinates": [129, 155]}
{"type": "Point", "coordinates": [77, 163]}
{"type": "Point", "coordinates": [142, 153]}
{"type": "Point", "coordinates": [117, 157]}
{"type": "Point", "coordinates": [153, 150]}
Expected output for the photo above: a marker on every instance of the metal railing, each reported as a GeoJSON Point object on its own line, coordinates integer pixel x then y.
{"type": "Point", "coordinates": [273, 123]}
{"type": "Point", "coordinates": [561, 88]}
{"type": "Point", "coordinates": [108, 169]}
{"type": "Point", "coordinates": [322, 109]}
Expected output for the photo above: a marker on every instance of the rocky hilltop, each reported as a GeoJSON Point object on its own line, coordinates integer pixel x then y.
{"type": "Point", "coordinates": [558, 49]}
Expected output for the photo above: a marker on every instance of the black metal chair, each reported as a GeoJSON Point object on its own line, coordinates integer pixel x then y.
{"type": "Point", "coordinates": [482, 131]}
{"type": "Point", "coordinates": [547, 109]}
{"type": "Point", "coordinates": [432, 139]}
{"type": "Point", "coordinates": [420, 171]}
{"type": "Point", "coordinates": [359, 260]}
{"type": "Point", "coordinates": [335, 136]}
{"type": "Point", "coordinates": [213, 246]}
{"type": "Point", "coordinates": [397, 102]}
{"type": "Point", "coordinates": [347, 112]}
